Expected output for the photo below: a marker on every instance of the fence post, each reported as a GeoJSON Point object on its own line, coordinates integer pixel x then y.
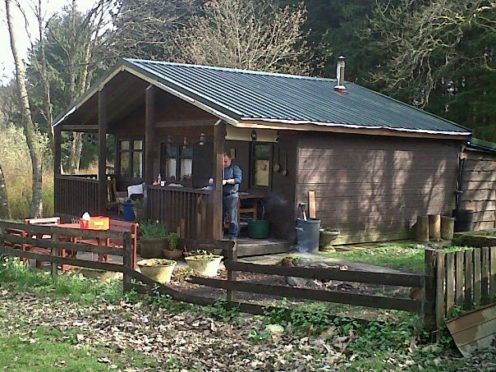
{"type": "Point", "coordinates": [232, 257]}
{"type": "Point", "coordinates": [54, 252]}
{"type": "Point", "coordinates": [429, 305]}
{"type": "Point", "coordinates": [127, 261]}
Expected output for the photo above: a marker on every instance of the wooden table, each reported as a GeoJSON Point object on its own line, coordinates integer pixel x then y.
{"type": "Point", "coordinates": [97, 241]}
{"type": "Point", "coordinates": [249, 203]}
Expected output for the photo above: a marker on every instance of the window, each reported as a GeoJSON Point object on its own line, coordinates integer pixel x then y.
{"type": "Point", "coordinates": [261, 155]}
{"type": "Point", "coordinates": [176, 162]}
{"type": "Point", "coordinates": [131, 156]}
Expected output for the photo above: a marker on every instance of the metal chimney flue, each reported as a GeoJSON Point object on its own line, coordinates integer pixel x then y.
{"type": "Point", "coordinates": [340, 87]}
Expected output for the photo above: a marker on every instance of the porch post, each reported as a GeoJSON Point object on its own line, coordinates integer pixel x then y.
{"type": "Point", "coordinates": [149, 133]}
{"type": "Point", "coordinates": [57, 164]}
{"type": "Point", "coordinates": [102, 151]}
{"type": "Point", "coordinates": [57, 151]}
{"type": "Point", "coordinates": [219, 140]}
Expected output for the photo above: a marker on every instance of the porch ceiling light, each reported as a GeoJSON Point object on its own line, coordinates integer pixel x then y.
{"type": "Point", "coordinates": [253, 135]}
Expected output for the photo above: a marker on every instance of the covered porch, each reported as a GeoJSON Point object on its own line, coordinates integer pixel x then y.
{"type": "Point", "coordinates": [154, 132]}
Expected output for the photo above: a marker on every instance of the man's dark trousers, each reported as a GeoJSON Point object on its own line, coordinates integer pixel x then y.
{"type": "Point", "coordinates": [230, 210]}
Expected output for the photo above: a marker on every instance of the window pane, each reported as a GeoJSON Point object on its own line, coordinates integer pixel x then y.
{"type": "Point", "coordinates": [124, 145]}
{"type": "Point", "coordinates": [125, 163]}
{"type": "Point", "coordinates": [187, 152]}
{"type": "Point", "coordinates": [171, 151]}
{"type": "Point", "coordinates": [262, 172]}
{"type": "Point", "coordinates": [186, 166]}
{"type": "Point", "coordinates": [137, 164]}
{"type": "Point", "coordinates": [138, 145]}
{"type": "Point", "coordinates": [262, 151]}
{"type": "Point", "coordinates": [170, 169]}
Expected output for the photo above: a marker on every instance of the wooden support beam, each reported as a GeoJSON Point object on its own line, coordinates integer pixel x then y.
{"type": "Point", "coordinates": [149, 133]}
{"type": "Point", "coordinates": [57, 151]}
{"type": "Point", "coordinates": [102, 150]}
{"type": "Point", "coordinates": [80, 128]}
{"type": "Point", "coordinates": [216, 206]}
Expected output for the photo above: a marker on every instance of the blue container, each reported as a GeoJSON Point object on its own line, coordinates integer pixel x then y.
{"type": "Point", "coordinates": [128, 211]}
{"type": "Point", "coordinates": [307, 235]}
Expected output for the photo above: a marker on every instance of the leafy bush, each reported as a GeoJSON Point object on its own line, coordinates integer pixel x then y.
{"type": "Point", "coordinates": [152, 229]}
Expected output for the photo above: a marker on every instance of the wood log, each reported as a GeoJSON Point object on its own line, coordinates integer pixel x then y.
{"type": "Point", "coordinates": [422, 229]}
{"type": "Point", "coordinates": [447, 227]}
{"type": "Point", "coordinates": [435, 227]}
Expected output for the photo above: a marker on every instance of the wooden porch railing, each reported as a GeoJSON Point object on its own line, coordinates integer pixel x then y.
{"type": "Point", "coordinates": [181, 209]}
{"type": "Point", "coordinates": [75, 195]}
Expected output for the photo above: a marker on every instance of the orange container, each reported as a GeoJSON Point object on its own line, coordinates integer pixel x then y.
{"type": "Point", "coordinates": [99, 223]}
{"type": "Point", "coordinates": [83, 224]}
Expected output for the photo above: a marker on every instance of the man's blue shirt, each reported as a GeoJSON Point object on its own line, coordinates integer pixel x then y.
{"type": "Point", "coordinates": [233, 171]}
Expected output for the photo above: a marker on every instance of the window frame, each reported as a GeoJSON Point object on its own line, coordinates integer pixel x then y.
{"type": "Point", "coordinates": [253, 159]}
{"type": "Point", "coordinates": [179, 157]}
{"type": "Point", "coordinates": [132, 151]}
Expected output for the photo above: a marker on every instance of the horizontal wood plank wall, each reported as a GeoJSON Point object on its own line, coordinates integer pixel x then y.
{"type": "Point", "coordinates": [75, 195]}
{"type": "Point", "coordinates": [479, 188]}
{"type": "Point", "coordinates": [373, 188]}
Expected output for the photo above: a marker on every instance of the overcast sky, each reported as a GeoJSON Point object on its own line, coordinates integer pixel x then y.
{"type": "Point", "coordinates": [23, 42]}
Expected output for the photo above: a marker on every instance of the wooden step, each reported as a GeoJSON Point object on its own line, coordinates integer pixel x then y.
{"type": "Point", "coordinates": [257, 247]}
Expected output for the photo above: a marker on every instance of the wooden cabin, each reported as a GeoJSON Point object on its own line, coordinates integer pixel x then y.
{"type": "Point", "coordinates": [374, 163]}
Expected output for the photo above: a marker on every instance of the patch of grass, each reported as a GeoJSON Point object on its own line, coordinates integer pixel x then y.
{"type": "Point", "coordinates": [398, 255]}
{"type": "Point", "coordinates": [47, 350]}
{"type": "Point", "coordinates": [77, 288]}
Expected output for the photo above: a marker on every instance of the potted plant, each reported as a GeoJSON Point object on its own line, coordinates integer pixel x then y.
{"type": "Point", "coordinates": [172, 252]}
{"type": "Point", "coordinates": [203, 262]}
{"type": "Point", "coordinates": [153, 239]}
{"type": "Point", "coordinates": [158, 269]}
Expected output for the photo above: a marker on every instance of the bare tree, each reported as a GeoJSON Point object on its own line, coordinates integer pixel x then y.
{"type": "Point", "coordinates": [423, 40]}
{"type": "Point", "coordinates": [145, 28]}
{"type": "Point", "coordinates": [30, 129]}
{"type": "Point", "coordinates": [250, 34]}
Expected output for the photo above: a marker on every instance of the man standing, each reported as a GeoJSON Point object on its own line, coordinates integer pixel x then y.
{"type": "Point", "coordinates": [232, 180]}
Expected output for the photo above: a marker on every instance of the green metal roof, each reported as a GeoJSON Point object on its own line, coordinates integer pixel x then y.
{"type": "Point", "coordinates": [243, 95]}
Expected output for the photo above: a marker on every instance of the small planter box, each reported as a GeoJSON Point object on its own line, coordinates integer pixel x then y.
{"type": "Point", "coordinates": [152, 247]}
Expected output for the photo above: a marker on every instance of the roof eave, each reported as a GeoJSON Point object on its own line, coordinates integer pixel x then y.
{"type": "Point", "coordinates": [349, 128]}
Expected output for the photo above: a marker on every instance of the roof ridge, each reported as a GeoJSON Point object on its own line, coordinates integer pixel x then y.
{"type": "Point", "coordinates": [230, 69]}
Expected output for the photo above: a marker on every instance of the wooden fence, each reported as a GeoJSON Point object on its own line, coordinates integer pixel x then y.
{"type": "Point", "coordinates": [465, 279]}
{"type": "Point", "coordinates": [232, 285]}
{"type": "Point", "coordinates": [56, 245]}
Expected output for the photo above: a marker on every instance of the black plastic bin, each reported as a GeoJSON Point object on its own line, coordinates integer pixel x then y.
{"type": "Point", "coordinates": [464, 220]}
{"type": "Point", "coordinates": [307, 235]}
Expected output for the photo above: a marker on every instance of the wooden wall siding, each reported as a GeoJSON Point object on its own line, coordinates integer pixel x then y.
{"type": "Point", "coordinates": [280, 205]}
{"type": "Point", "coordinates": [182, 210]}
{"type": "Point", "coordinates": [479, 185]}
{"type": "Point", "coordinates": [373, 188]}
{"type": "Point", "coordinates": [76, 195]}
